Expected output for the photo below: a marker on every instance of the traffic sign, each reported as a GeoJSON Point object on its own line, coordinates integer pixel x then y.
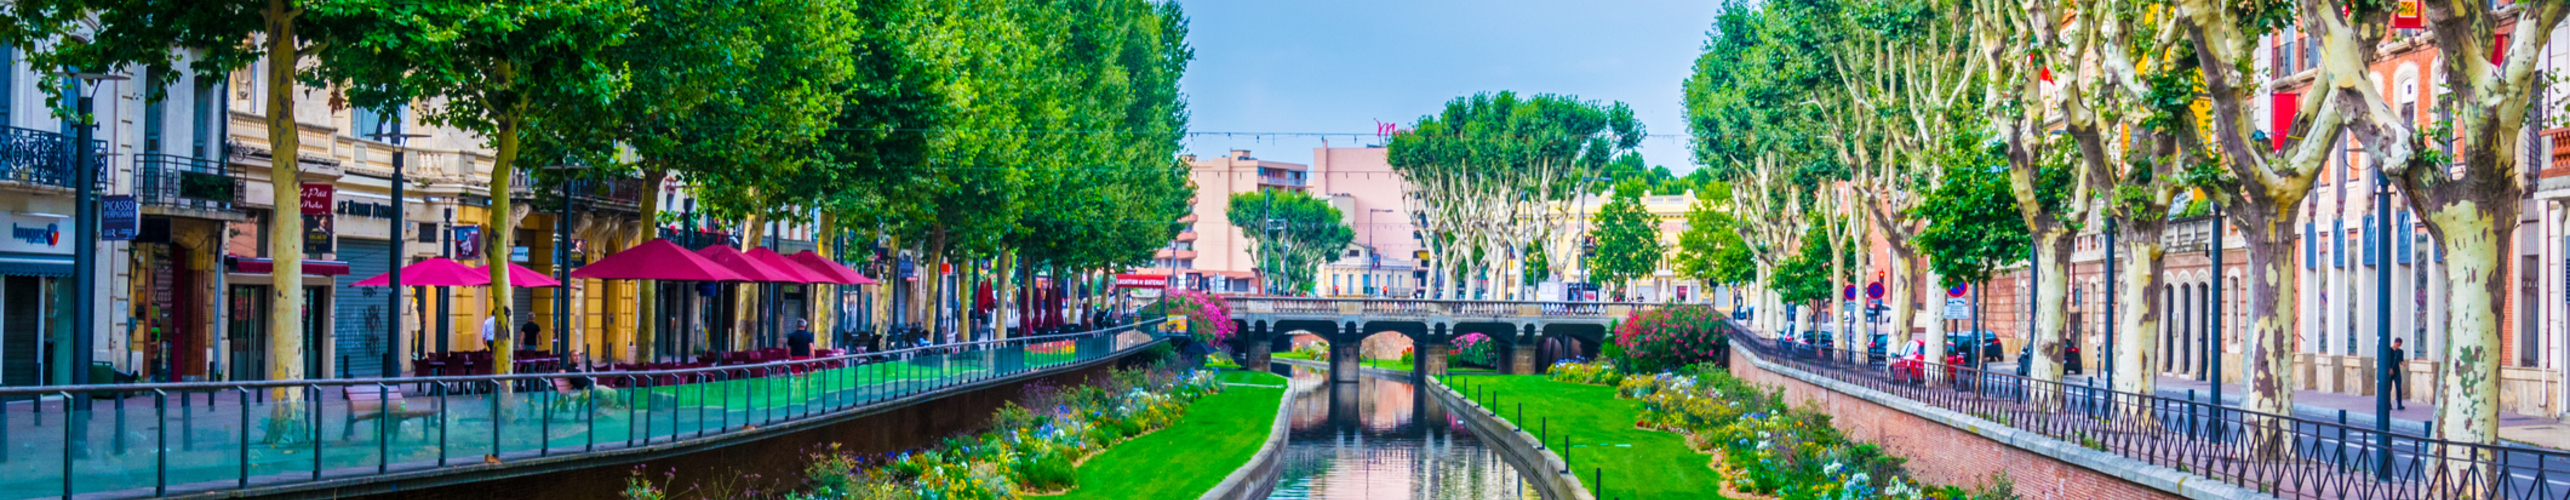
{"type": "Point", "coordinates": [1957, 309]}
{"type": "Point", "coordinates": [1850, 292]}
{"type": "Point", "coordinates": [1957, 291]}
{"type": "Point", "coordinates": [1874, 290]}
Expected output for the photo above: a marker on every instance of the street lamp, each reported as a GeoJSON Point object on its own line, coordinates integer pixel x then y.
{"type": "Point", "coordinates": [561, 260]}
{"type": "Point", "coordinates": [2383, 320]}
{"type": "Point", "coordinates": [84, 262]}
{"type": "Point", "coordinates": [391, 131]}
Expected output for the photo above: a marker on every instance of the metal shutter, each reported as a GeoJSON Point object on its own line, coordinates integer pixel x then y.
{"type": "Point", "coordinates": [2401, 230]}
{"type": "Point", "coordinates": [360, 319]}
{"type": "Point", "coordinates": [2310, 248]}
{"type": "Point", "coordinates": [2338, 243]}
{"type": "Point", "coordinates": [2370, 257]}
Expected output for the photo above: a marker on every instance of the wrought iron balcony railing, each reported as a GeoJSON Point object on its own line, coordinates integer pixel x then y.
{"type": "Point", "coordinates": [39, 157]}
{"type": "Point", "coordinates": [173, 181]}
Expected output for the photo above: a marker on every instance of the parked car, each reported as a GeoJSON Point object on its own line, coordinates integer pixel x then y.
{"type": "Point", "coordinates": [1909, 363]}
{"type": "Point", "coordinates": [1874, 348]}
{"type": "Point", "coordinates": [1742, 314]}
{"type": "Point", "coordinates": [1990, 348]}
{"type": "Point", "coordinates": [2069, 360]}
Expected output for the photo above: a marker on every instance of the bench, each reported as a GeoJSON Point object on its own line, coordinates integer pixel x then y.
{"type": "Point", "coordinates": [377, 403]}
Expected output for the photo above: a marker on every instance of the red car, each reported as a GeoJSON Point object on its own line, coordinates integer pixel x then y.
{"type": "Point", "coordinates": [1909, 363]}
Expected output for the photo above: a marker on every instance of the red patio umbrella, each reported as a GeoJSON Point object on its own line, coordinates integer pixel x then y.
{"type": "Point", "coordinates": [432, 272]}
{"type": "Point", "coordinates": [732, 258]}
{"type": "Point", "coordinates": [778, 261]}
{"type": "Point", "coordinates": [842, 274]}
{"type": "Point", "coordinates": [656, 260]}
{"type": "Point", "coordinates": [521, 277]}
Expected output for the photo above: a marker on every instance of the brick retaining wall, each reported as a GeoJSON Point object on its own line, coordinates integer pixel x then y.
{"type": "Point", "coordinates": [1961, 451]}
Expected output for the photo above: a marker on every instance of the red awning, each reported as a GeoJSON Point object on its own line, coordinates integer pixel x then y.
{"type": "Point", "coordinates": [784, 265]}
{"type": "Point", "coordinates": [838, 273]}
{"type": "Point", "coordinates": [432, 272]}
{"type": "Point", "coordinates": [314, 267]}
{"type": "Point", "coordinates": [656, 260]}
{"type": "Point", "coordinates": [521, 277]}
{"type": "Point", "coordinates": [732, 258]}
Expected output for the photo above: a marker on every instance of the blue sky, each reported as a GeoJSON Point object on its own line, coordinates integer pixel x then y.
{"type": "Point", "coordinates": [1338, 66]}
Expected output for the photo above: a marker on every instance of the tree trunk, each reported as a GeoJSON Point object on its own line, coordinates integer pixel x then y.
{"type": "Point", "coordinates": [2270, 346]}
{"type": "Point", "coordinates": [1932, 319]}
{"type": "Point", "coordinates": [824, 297]}
{"type": "Point", "coordinates": [647, 292]}
{"type": "Point", "coordinates": [287, 421]}
{"type": "Point", "coordinates": [500, 236]}
{"type": "Point", "coordinates": [745, 312]}
{"type": "Point", "coordinates": [2476, 240]}
{"type": "Point", "coordinates": [2137, 333]}
{"type": "Point", "coordinates": [2052, 286]}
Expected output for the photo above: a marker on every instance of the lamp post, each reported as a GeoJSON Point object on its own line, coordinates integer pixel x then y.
{"type": "Point", "coordinates": [2214, 334]}
{"type": "Point", "coordinates": [84, 234]}
{"type": "Point", "coordinates": [561, 263]}
{"type": "Point", "coordinates": [391, 131]}
{"type": "Point", "coordinates": [2382, 322]}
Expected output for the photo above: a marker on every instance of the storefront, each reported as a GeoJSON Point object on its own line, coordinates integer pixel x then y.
{"type": "Point", "coordinates": [246, 335]}
{"type": "Point", "coordinates": [35, 267]}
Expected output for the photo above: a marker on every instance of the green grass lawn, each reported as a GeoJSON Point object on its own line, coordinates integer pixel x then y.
{"type": "Point", "coordinates": [1218, 435]}
{"type": "Point", "coordinates": [1640, 464]}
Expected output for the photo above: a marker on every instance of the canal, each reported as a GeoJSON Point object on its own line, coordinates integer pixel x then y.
{"type": "Point", "coordinates": [1383, 439]}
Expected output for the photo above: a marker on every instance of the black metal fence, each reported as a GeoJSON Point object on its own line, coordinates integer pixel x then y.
{"type": "Point", "coordinates": [2281, 455]}
{"type": "Point", "coordinates": [163, 180]}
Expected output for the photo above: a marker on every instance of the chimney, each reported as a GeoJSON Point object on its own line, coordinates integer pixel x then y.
{"type": "Point", "coordinates": [1240, 154]}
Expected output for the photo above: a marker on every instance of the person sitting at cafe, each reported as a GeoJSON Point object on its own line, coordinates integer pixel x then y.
{"type": "Point", "coordinates": [799, 343]}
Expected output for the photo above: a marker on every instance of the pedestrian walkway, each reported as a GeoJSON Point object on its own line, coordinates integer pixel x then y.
{"type": "Point", "coordinates": [2514, 428]}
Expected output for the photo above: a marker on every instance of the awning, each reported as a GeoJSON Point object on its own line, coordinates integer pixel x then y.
{"type": "Point", "coordinates": [520, 276]}
{"type": "Point", "coordinates": [787, 266]}
{"type": "Point", "coordinates": [262, 265]}
{"type": "Point", "coordinates": [19, 264]}
{"type": "Point", "coordinates": [733, 259]}
{"type": "Point", "coordinates": [838, 273]}
{"type": "Point", "coordinates": [432, 272]}
{"type": "Point", "coordinates": [655, 260]}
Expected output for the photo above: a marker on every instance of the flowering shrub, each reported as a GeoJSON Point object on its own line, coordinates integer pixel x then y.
{"type": "Point", "coordinates": [1030, 450]}
{"type": "Point", "coordinates": [1475, 349]}
{"type": "Point", "coordinates": [1208, 317]}
{"type": "Point", "coordinates": [1669, 337]}
{"type": "Point", "coordinates": [1767, 448]}
{"type": "Point", "coordinates": [1596, 373]}
{"type": "Point", "coordinates": [1318, 350]}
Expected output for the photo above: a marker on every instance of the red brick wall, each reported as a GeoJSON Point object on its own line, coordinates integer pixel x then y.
{"type": "Point", "coordinates": [1941, 454]}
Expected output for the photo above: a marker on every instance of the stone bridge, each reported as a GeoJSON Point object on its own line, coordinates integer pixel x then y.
{"type": "Point", "coordinates": [1530, 335]}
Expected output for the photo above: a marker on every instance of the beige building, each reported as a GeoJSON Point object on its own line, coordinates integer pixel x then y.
{"type": "Point", "coordinates": [1211, 254]}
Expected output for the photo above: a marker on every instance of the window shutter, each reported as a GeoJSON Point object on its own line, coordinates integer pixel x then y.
{"type": "Point", "coordinates": [2310, 247]}
{"type": "Point", "coordinates": [2370, 236]}
{"type": "Point", "coordinates": [2338, 243]}
{"type": "Point", "coordinates": [2401, 229]}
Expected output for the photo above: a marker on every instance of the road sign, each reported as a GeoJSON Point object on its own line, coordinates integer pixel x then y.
{"type": "Point", "coordinates": [1956, 308]}
{"type": "Point", "coordinates": [1850, 292]}
{"type": "Point", "coordinates": [1874, 290]}
{"type": "Point", "coordinates": [1957, 291]}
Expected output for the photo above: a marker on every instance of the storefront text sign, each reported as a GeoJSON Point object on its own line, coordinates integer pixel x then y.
{"type": "Point", "coordinates": [468, 242]}
{"type": "Point", "coordinates": [316, 234]}
{"type": "Point", "coordinates": [119, 217]}
{"type": "Point", "coordinates": [316, 198]}
{"type": "Point", "coordinates": [31, 233]}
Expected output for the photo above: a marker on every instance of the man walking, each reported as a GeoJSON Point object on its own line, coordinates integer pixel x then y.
{"type": "Point", "coordinates": [2400, 391]}
{"type": "Point", "coordinates": [799, 343]}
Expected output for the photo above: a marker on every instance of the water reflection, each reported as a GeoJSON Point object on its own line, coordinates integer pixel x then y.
{"type": "Point", "coordinates": [1385, 439]}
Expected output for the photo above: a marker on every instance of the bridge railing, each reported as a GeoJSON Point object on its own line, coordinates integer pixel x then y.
{"type": "Point", "coordinates": [150, 440]}
{"type": "Point", "coordinates": [1427, 307]}
{"type": "Point", "coordinates": [2282, 455]}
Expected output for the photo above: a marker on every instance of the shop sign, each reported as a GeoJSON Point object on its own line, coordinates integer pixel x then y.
{"type": "Point", "coordinates": [1141, 281]}
{"type": "Point", "coordinates": [1956, 308]}
{"type": "Point", "coordinates": [316, 234]}
{"type": "Point", "coordinates": [316, 198]}
{"type": "Point", "coordinates": [29, 233]}
{"type": "Point", "coordinates": [366, 209]}
{"type": "Point", "coordinates": [119, 217]}
{"type": "Point", "coordinates": [466, 242]}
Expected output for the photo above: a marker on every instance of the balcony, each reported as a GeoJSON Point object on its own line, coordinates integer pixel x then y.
{"type": "Point", "coordinates": [1279, 181]}
{"type": "Point", "coordinates": [1177, 254]}
{"type": "Point", "coordinates": [1187, 236]}
{"type": "Point", "coordinates": [619, 194]}
{"type": "Point", "coordinates": [38, 158]}
{"type": "Point", "coordinates": [173, 182]}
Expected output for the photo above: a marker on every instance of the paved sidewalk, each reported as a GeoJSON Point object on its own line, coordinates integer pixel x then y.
{"type": "Point", "coordinates": [2522, 429]}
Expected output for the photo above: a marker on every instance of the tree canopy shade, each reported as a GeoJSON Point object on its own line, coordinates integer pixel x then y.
{"type": "Point", "coordinates": [1493, 173]}
{"type": "Point", "coordinates": [1627, 236]}
{"type": "Point", "coordinates": [1293, 233]}
{"type": "Point", "coordinates": [1712, 250]}
{"type": "Point", "coordinates": [1804, 278]}
{"type": "Point", "coordinates": [1973, 226]}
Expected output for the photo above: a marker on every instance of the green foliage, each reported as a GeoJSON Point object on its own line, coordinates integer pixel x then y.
{"type": "Point", "coordinates": [1805, 276]}
{"type": "Point", "coordinates": [1712, 250]}
{"type": "Point", "coordinates": [1973, 224]}
{"type": "Point", "coordinates": [1627, 236]}
{"type": "Point", "coordinates": [1295, 234]}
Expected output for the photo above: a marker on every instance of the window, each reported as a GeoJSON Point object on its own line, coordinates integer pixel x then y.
{"type": "Point", "coordinates": [201, 118]}
{"type": "Point", "coordinates": [428, 232]}
{"type": "Point", "coordinates": [366, 122]}
{"type": "Point", "coordinates": [155, 119]}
